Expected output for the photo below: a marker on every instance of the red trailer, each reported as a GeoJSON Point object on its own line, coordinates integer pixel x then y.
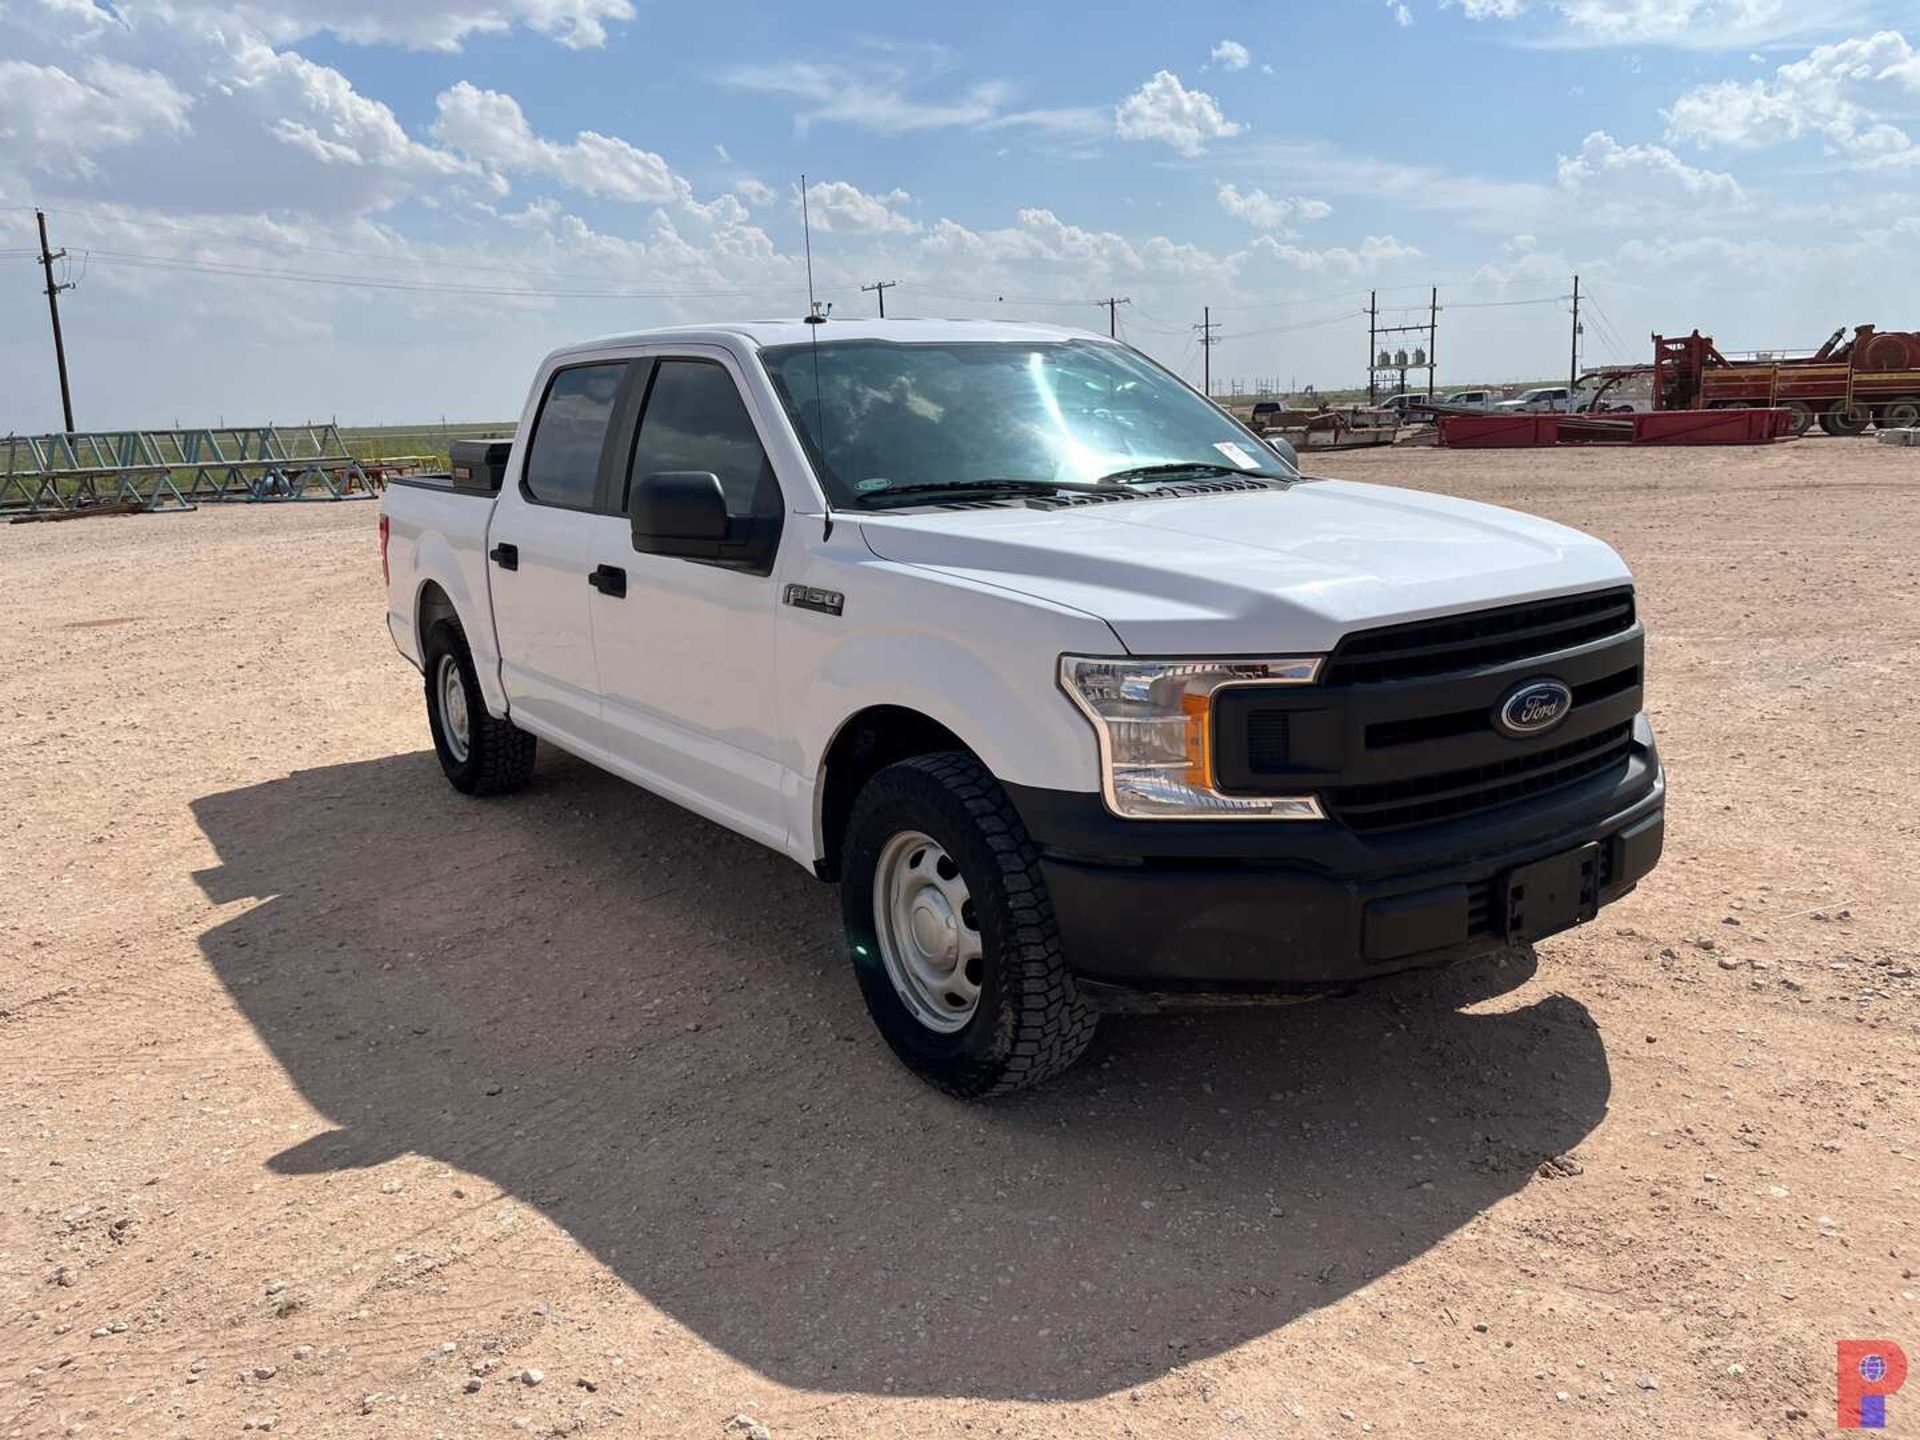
{"type": "Point", "coordinates": [1846, 385]}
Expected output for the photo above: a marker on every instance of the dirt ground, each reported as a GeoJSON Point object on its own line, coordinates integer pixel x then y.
{"type": "Point", "coordinates": [335, 1103]}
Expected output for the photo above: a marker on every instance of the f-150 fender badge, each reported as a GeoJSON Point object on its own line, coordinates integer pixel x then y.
{"type": "Point", "coordinates": [1533, 708]}
{"type": "Point", "coordinates": [808, 597]}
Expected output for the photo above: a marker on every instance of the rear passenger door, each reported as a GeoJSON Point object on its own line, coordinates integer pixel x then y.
{"type": "Point", "coordinates": [543, 545]}
{"type": "Point", "coordinates": [686, 656]}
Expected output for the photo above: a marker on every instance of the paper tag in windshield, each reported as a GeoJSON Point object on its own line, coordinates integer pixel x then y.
{"type": "Point", "coordinates": [1238, 456]}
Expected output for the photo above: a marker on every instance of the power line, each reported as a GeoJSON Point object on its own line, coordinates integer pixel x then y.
{"type": "Point", "coordinates": [306, 277]}
{"type": "Point", "coordinates": [1113, 304]}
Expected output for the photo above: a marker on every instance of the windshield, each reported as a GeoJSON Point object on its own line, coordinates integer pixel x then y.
{"type": "Point", "coordinates": [878, 414]}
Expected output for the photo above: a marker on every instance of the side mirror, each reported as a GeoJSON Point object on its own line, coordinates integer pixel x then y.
{"type": "Point", "coordinates": [1284, 449]}
{"type": "Point", "coordinates": [679, 512]}
{"type": "Point", "coordinates": [683, 513]}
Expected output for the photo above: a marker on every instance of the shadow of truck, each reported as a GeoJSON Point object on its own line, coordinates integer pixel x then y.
{"type": "Point", "coordinates": [643, 1025]}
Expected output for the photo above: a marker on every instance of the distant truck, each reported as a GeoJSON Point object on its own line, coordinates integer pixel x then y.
{"type": "Point", "coordinates": [1845, 386]}
{"type": "Point", "coordinates": [1542, 399]}
{"type": "Point", "coordinates": [1084, 696]}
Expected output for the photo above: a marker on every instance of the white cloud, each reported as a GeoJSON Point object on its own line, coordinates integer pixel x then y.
{"type": "Point", "coordinates": [1842, 93]}
{"type": "Point", "coordinates": [846, 208]}
{"type": "Point", "coordinates": [422, 24]}
{"type": "Point", "coordinates": [1402, 16]}
{"type": "Point", "coordinates": [55, 118]}
{"type": "Point", "coordinates": [490, 128]}
{"type": "Point", "coordinates": [1165, 110]}
{"type": "Point", "coordinates": [1690, 24]}
{"type": "Point", "coordinates": [1607, 172]}
{"type": "Point", "coordinates": [1042, 249]}
{"type": "Point", "coordinates": [755, 192]}
{"type": "Point", "coordinates": [189, 113]}
{"type": "Point", "coordinates": [1642, 21]}
{"type": "Point", "coordinates": [1269, 212]}
{"type": "Point", "coordinates": [878, 96]}
{"type": "Point", "coordinates": [1315, 167]}
{"type": "Point", "coordinates": [1374, 252]}
{"type": "Point", "coordinates": [1230, 55]}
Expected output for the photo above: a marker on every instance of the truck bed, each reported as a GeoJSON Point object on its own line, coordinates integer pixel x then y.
{"type": "Point", "coordinates": [437, 529]}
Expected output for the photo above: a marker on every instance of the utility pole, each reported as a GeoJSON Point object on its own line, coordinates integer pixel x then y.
{"type": "Point", "coordinates": [880, 288]}
{"type": "Point", "coordinates": [1433, 336]}
{"type": "Point", "coordinates": [1373, 322]}
{"type": "Point", "coordinates": [1113, 304]}
{"type": "Point", "coordinates": [47, 257]}
{"type": "Point", "coordinates": [1573, 362]}
{"type": "Point", "coordinates": [1208, 340]}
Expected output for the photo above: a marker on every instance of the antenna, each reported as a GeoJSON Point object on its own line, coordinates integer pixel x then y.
{"type": "Point", "coordinates": [816, 317]}
{"type": "Point", "coordinates": [815, 314]}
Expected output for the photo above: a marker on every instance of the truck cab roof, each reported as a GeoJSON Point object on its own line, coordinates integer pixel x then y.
{"type": "Point", "coordinates": [795, 331]}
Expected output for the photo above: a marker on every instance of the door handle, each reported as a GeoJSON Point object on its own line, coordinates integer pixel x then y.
{"type": "Point", "coordinates": [609, 580]}
{"type": "Point", "coordinates": [506, 556]}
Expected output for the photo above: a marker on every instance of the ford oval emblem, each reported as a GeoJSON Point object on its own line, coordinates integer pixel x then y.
{"type": "Point", "coordinates": [1533, 708]}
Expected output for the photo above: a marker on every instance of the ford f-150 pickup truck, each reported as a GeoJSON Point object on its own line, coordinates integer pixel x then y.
{"type": "Point", "coordinates": [1082, 693]}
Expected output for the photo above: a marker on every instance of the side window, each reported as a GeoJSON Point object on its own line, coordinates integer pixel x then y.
{"type": "Point", "coordinates": [696, 420]}
{"type": "Point", "coordinates": [563, 463]}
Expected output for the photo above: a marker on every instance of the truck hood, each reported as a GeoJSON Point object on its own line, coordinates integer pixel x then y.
{"type": "Point", "coordinates": [1255, 573]}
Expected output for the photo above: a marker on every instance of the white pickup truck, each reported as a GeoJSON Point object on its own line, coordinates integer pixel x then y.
{"type": "Point", "coordinates": [1085, 697]}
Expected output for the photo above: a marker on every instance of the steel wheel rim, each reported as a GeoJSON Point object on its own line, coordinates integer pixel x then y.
{"type": "Point", "coordinates": [455, 723]}
{"type": "Point", "coordinates": [929, 938]}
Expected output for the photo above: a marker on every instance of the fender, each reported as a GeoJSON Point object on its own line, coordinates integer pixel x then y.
{"type": "Point", "coordinates": [1000, 695]}
{"type": "Point", "coordinates": [436, 562]}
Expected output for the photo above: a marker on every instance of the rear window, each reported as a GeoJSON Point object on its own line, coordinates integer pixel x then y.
{"type": "Point", "coordinates": [563, 462]}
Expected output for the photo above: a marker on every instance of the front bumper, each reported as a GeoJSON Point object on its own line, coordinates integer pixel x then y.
{"type": "Point", "coordinates": [1265, 906]}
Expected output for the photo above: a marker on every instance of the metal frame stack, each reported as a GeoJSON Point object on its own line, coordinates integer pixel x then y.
{"type": "Point", "coordinates": [179, 469]}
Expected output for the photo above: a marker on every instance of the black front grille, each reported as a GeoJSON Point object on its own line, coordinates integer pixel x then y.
{"type": "Point", "coordinates": [1454, 794]}
{"type": "Point", "coordinates": [1457, 643]}
{"type": "Point", "coordinates": [1447, 723]}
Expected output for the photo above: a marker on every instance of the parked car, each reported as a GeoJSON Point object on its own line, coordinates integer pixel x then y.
{"type": "Point", "coordinates": [1405, 401]}
{"type": "Point", "coordinates": [1616, 392]}
{"type": "Point", "coordinates": [1473, 399]}
{"type": "Point", "coordinates": [1543, 399]}
{"type": "Point", "coordinates": [1083, 696]}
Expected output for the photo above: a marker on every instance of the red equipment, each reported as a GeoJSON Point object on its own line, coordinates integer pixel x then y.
{"type": "Point", "coordinates": [1846, 385]}
{"type": "Point", "coordinates": [1664, 427]}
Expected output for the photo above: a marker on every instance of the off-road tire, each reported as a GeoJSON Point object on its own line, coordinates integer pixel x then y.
{"type": "Point", "coordinates": [1799, 418]}
{"type": "Point", "coordinates": [1844, 422]}
{"type": "Point", "coordinates": [499, 753]}
{"type": "Point", "coordinates": [1031, 1022]}
{"type": "Point", "coordinates": [1900, 414]}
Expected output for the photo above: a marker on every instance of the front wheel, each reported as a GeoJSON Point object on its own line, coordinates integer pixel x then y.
{"type": "Point", "coordinates": [952, 934]}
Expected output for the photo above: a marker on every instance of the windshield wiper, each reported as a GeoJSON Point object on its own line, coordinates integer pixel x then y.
{"type": "Point", "coordinates": [1178, 467]}
{"type": "Point", "coordinates": [970, 490]}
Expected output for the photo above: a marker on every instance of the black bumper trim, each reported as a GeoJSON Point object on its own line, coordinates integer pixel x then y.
{"type": "Point", "coordinates": [1320, 908]}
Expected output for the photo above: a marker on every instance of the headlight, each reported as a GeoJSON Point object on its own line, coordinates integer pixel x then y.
{"type": "Point", "coordinates": [1154, 719]}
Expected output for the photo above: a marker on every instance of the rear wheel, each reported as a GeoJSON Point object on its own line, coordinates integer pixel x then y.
{"type": "Point", "coordinates": [1843, 419]}
{"type": "Point", "coordinates": [480, 755]}
{"type": "Point", "coordinates": [1901, 414]}
{"type": "Point", "coordinates": [1799, 417]}
{"type": "Point", "coordinates": [951, 932]}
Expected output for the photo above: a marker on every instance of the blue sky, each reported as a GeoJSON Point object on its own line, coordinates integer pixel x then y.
{"type": "Point", "coordinates": [388, 212]}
